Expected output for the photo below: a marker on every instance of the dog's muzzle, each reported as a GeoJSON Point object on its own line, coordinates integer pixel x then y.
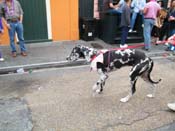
{"type": "Point", "coordinates": [73, 57]}
{"type": "Point", "coordinates": [68, 58]}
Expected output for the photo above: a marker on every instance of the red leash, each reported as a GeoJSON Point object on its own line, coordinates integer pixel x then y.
{"type": "Point", "coordinates": [129, 47]}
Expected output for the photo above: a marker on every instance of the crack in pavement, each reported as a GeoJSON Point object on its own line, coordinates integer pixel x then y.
{"type": "Point", "coordinates": [147, 115]}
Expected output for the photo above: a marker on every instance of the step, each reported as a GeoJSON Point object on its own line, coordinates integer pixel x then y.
{"type": "Point", "coordinates": [131, 33]}
{"type": "Point", "coordinates": [133, 39]}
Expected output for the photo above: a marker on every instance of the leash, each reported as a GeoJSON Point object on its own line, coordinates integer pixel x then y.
{"type": "Point", "coordinates": [129, 47]}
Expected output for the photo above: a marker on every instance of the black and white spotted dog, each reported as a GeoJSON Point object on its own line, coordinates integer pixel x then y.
{"type": "Point", "coordinates": [105, 61]}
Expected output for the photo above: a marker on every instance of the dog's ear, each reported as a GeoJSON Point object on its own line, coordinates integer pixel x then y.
{"type": "Point", "coordinates": [79, 46]}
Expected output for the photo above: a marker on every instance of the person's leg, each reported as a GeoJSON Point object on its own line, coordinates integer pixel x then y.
{"type": "Point", "coordinates": [19, 31]}
{"type": "Point", "coordinates": [1, 58]}
{"type": "Point", "coordinates": [11, 37]}
{"type": "Point", "coordinates": [146, 33]}
{"type": "Point", "coordinates": [133, 18]}
{"type": "Point", "coordinates": [113, 11]}
{"type": "Point", "coordinates": [163, 31]}
{"type": "Point", "coordinates": [124, 35]}
{"type": "Point", "coordinates": [172, 32]}
{"type": "Point", "coordinates": [148, 26]}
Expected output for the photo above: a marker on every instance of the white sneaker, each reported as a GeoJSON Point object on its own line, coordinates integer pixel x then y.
{"type": "Point", "coordinates": [171, 106]}
{"type": "Point", "coordinates": [130, 30]}
{"type": "Point", "coordinates": [1, 59]}
{"type": "Point", "coordinates": [124, 46]}
{"type": "Point", "coordinates": [167, 44]}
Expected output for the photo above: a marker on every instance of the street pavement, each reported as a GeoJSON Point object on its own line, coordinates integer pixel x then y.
{"type": "Point", "coordinates": [61, 99]}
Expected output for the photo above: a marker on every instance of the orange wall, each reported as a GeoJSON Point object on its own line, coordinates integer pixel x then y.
{"type": "Point", "coordinates": [64, 19]}
{"type": "Point", "coordinates": [4, 39]}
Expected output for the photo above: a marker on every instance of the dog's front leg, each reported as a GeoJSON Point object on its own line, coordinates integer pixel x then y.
{"type": "Point", "coordinates": [98, 86]}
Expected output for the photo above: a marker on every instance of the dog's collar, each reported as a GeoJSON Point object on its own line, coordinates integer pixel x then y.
{"type": "Point", "coordinates": [95, 55]}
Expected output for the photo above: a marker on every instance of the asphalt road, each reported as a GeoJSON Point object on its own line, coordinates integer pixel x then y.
{"type": "Point", "coordinates": [62, 100]}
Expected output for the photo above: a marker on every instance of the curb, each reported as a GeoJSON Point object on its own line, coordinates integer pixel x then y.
{"type": "Point", "coordinates": [13, 69]}
{"type": "Point", "coordinates": [59, 64]}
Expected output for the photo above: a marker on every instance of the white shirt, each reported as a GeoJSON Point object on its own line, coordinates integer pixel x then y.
{"type": "Point", "coordinates": [138, 5]}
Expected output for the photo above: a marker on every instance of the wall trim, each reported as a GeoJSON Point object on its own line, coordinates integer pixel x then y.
{"type": "Point", "coordinates": [48, 13]}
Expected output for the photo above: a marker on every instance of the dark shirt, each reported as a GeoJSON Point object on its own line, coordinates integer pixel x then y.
{"type": "Point", "coordinates": [106, 4]}
{"type": "Point", "coordinates": [171, 23]}
{"type": "Point", "coordinates": [125, 17]}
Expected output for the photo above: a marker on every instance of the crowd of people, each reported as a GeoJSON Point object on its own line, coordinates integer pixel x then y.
{"type": "Point", "coordinates": [158, 20]}
{"type": "Point", "coordinates": [11, 14]}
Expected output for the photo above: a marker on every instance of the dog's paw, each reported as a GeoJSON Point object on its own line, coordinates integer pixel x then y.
{"type": "Point", "coordinates": [95, 87]}
{"type": "Point", "coordinates": [124, 100]}
{"type": "Point", "coordinates": [98, 91]}
{"type": "Point", "coordinates": [150, 95]}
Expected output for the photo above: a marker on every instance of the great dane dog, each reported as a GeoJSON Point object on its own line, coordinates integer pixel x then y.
{"type": "Point", "coordinates": [105, 61]}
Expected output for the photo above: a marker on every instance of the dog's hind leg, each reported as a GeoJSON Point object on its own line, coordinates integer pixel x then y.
{"type": "Point", "coordinates": [135, 71]}
{"type": "Point", "coordinates": [133, 89]}
{"type": "Point", "coordinates": [152, 85]}
{"type": "Point", "coordinates": [98, 86]}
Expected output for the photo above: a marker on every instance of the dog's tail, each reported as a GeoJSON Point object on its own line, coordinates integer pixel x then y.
{"type": "Point", "coordinates": [149, 72]}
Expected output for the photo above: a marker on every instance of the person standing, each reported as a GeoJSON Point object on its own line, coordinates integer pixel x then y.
{"type": "Point", "coordinates": [125, 23]}
{"type": "Point", "coordinates": [1, 32]}
{"type": "Point", "coordinates": [13, 15]}
{"type": "Point", "coordinates": [138, 6]}
{"type": "Point", "coordinates": [171, 19]}
{"type": "Point", "coordinates": [150, 12]}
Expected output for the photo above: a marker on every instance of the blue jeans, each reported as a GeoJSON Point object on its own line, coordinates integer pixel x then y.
{"type": "Point", "coordinates": [171, 32]}
{"type": "Point", "coordinates": [16, 27]}
{"type": "Point", "coordinates": [0, 54]}
{"type": "Point", "coordinates": [124, 34]}
{"type": "Point", "coordinates": [148, 26]}
{"type": "Point", "coordinates": [114, 11]}
{"type": "Point", "coordinates": [133, 19]}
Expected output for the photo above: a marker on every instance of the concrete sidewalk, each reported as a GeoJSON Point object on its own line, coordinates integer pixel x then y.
{"type": "Point", "coordinates": [52, 54]}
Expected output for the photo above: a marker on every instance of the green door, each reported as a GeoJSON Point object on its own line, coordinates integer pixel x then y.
{"type": "Point", "coordinates": [86, 8]}
{"type": "Point", "coordinates": [35, 20]}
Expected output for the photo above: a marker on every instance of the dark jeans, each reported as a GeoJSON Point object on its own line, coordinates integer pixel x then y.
{"type": "Point", "coordinates": [0, 54]}
{"type": "Point", "coordinates": [124, 34]}
{"type": "Point", "coordinates": [164, 31]}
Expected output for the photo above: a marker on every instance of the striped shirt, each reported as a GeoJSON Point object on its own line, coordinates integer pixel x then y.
{"type": "Point", "coordinates": [13, 12]}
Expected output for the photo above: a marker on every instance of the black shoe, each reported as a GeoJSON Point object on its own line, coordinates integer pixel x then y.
{"type": "Point", "coordinates": [145, 49]}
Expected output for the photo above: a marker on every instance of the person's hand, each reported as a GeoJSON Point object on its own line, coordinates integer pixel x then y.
{"type": "Point", "coordinates": [171, 18]}
{"type": "Point", "coordinates": [2, 31]}
{"type": "Point", "coordinates": [8, 26]}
